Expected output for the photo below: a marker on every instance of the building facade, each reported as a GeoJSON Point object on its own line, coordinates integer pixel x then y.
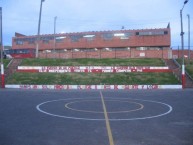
{"type": "Point", "coordinates": [143, 43]}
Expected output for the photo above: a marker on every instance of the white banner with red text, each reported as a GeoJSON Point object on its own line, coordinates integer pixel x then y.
{"type": "Point", "coordinates": [92, 69]}
{"type": "Point", "coordinates": [93, 87]}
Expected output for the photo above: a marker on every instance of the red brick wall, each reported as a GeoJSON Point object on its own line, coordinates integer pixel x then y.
{"type": "Point", "coordinates": [178, 53]}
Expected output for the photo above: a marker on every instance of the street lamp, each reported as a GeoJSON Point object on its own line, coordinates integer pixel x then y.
{"type": "Point", "coordinates": [182, 43]}
{"type": "Point", "coordinates": [38, 35]}
{"type": "Point", "coordinates": [1, 47]}
{"type": "Point", "coordinates": [188, 38]}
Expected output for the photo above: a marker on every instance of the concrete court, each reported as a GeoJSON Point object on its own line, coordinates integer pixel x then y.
{"type": "Point", "coordinates": [75, 117]}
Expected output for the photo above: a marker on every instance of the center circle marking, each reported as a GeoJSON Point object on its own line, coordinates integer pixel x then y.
{"type": "Point", "coordinates": [169, 110]}
{"type": "Point", "coordinates": [139, 106]}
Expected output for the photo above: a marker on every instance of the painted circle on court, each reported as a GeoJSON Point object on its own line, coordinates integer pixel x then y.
{"type": "Point", "coordinates": [137, 107]}
{"type": "Point", "coordinates": [138, 113]}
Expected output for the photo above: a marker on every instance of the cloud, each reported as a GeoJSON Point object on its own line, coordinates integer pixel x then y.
{"type": "Point", "coordinates": [91, 15]}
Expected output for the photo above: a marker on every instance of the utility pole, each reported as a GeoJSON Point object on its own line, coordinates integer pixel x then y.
{"type": "Point", "coordinates": [188, 38]}
{"type": "Point", "coordinates": [182, 43]}
{"type": "Point", "coordinates": [38, 35]}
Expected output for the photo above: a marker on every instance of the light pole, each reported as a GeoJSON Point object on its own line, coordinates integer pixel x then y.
{"type": "Point", "coordinates": [182, 43]}
{"type": "Point", "coordinates": [1, 46]}
{"type": "Point", "coordinates": [54, 34]}
{"type": "Point", "coordinates": [188, 38]}
{"type": "Point", "coordinates": [38, 35]}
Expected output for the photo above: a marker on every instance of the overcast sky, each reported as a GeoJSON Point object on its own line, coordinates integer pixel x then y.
{"type": "Point", "coordinates": [95, 15]}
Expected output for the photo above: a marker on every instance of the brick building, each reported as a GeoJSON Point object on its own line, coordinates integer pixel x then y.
{"type": "Point", "coordinates": [148, 43]}
{"type": "Point", "coordinates": [179, 53]}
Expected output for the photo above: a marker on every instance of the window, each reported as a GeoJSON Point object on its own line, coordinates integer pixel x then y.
{"type": "Point", "coordinates": [46, 41]}
{"type": "Point", "coordinates": [90, 49]}
{"type": "Point", "coordinates": [165, 32]}
{"type": "Point", "coordinates": [145, 33]}
{"type": "Point", "coordinates": [89, 37]}
{"type": "Point", "coordinates": [141, 48]}
{"type": "Point", "coordinates": [121, 49]}
{"type": "Point", "coordinates": [31, 40]}
{"type": "Point", "coordinates": [76, 50]}
{"type": "Point", "coordinates": [20, 51]}
{"type": "Point", "coordinates": [149, 48]}
{"type": "Point", "coordinates": [123, 35]}
{"type": "Point", "coordinates": [159, 33]}
{"type": "Point", "coordinates": [107, 36]}
{"type": "Point", "coordinates": [47, 38]}
{"type": "Point", "coordinates": [19, 42]}
{"type": "Point", "coordinates": [75, 38]}
{"type": "Point", "coordinates": [60, 39]}
{"type": "Point", "coordinates": [151, 33]}
{"type": "Point", "coordinates": [107, 49]}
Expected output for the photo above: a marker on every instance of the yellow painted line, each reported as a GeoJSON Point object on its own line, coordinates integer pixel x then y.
{"type": "Point", "coordinates": [107, 121]}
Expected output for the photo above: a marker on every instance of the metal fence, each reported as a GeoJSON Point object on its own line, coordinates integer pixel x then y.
{"type": "Point", "coordinates": [109, 53]}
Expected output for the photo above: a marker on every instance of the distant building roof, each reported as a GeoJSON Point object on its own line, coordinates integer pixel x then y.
{"type": "Point", "coordinates": [7, 47]}
{"type": "Point", "coordinates": [19, 34]}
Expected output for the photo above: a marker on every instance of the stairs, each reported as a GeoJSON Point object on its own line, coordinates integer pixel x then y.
{"type": "Point", "coordinates": [178, 72]}
{"type": "Point", "coordinates": [11, 68]}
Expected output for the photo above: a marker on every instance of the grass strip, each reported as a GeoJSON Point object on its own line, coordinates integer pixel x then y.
{"type": "Point", "coordinates": [92, 79]}
{"type": "Point", "coordinates": [93, 62]}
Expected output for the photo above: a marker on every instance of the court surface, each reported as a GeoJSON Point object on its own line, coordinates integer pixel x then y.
{"type": "Point", "coordinates": [94, 117]}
